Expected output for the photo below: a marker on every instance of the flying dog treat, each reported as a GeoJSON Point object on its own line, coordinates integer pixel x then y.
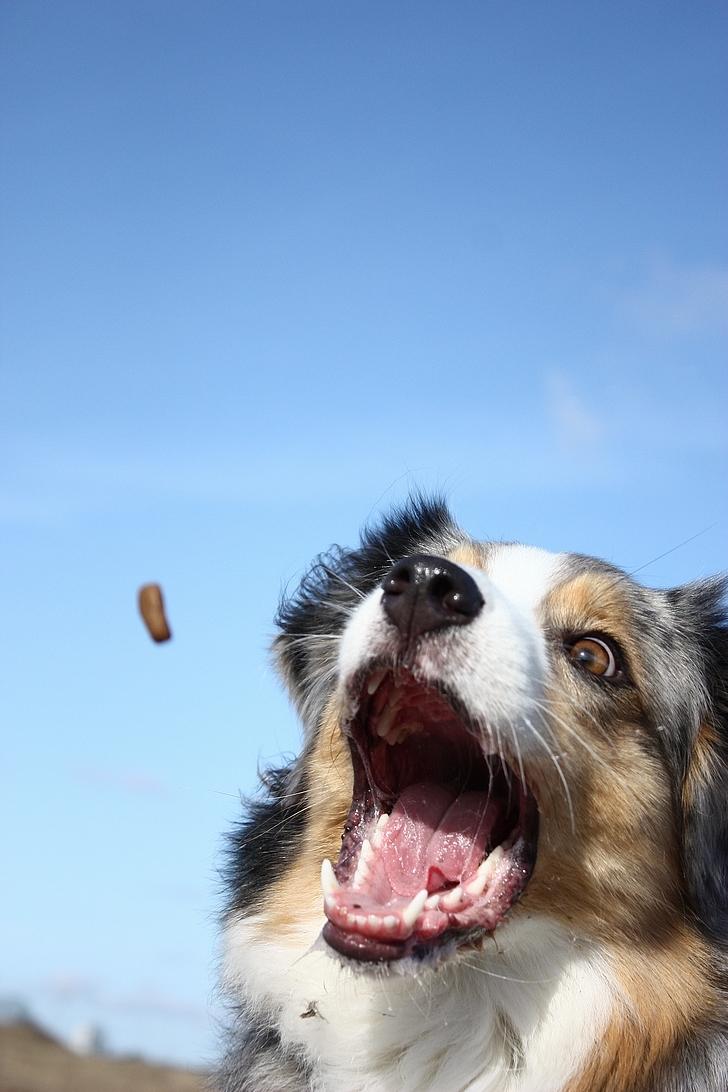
{"type": "Point", "coordinates": [151, 608]}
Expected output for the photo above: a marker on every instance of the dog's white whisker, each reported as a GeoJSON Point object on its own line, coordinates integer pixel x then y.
{"type": "Point", "coordinates": [337, 576]}
{"type": "Point", "coordinates": [559, 771]}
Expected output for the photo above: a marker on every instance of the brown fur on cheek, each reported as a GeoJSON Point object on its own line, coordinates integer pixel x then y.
{"type": "Point", "coordinates": [615, 873]}
{"type": "Point", "coordinates": [328, 801]}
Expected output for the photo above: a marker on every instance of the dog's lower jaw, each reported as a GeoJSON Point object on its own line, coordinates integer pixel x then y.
{"type": "Point", "coordinates": [519, 1017]}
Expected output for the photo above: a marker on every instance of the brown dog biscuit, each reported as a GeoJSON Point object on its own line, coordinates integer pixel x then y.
{"type": "Point", "coordinates": [151, 608]}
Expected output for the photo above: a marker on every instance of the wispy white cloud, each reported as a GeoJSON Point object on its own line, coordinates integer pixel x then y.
{"type": "Point", "coordinates": [70, 988]}
{"type": "Point", "coordinates": [59, 484]}
{"type": "Point", "coordinates": [573, 421]}
{"type": "Point", "coordinates": [148, 1000]}
{"type": "Point", "coordinates": [681, 299]}
{"type": "Point", "coordinates": [55, 482]}
{"type": "Point", "coordinates": [136, 782]}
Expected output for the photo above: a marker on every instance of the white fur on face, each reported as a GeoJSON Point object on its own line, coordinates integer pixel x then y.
{"type": "Point", "coordinates": [495, 664]}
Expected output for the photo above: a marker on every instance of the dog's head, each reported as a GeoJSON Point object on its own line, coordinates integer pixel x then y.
{"type": "Point", "coordinates": [495, 731]}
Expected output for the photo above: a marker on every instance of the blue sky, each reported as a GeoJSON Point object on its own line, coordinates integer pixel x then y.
{"type": "Point", "coordinates": [266, 266]}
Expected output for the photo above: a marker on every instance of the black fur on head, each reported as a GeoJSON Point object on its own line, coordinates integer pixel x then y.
{"type": "Point", "coordinates": [335, 583]}
{"type": "Point", "coordinates": [701, 616]}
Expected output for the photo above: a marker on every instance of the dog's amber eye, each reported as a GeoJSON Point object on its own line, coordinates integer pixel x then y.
{"type": "Point", "coordinates": [594, 655]}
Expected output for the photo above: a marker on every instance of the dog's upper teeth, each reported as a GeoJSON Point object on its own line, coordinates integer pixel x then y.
{"type": "Point", "coordinates": [375, 680]}
{"type": "Point", "coordinates": [386, 719]}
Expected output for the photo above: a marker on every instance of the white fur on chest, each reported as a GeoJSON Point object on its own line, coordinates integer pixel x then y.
{"type": "Point", "coordinates": [450, 1028]}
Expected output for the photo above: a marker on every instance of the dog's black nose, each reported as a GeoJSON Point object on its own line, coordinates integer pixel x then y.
{"type": "Point", "coordinates": [423, 593]}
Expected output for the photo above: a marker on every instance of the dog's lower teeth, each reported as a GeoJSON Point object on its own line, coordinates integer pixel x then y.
{"type": "Point", "coordinates": [378, 833]}
{"type": "Point", "coordinates": [329, 884]}
{"type": "Point", "coordinates": [411, 913]}
{"type": "Point", "coordinates": [484, 873]}
{"type": "Point", "coordinates": [361, 875]}
{"type": "Point", "coordinates": [451, 901]}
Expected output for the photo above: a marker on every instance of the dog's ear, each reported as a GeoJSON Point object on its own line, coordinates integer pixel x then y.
{"type": "Point", "coordinates": [312, 618]}
{"type": "Point", "coordinates": [705, 783]}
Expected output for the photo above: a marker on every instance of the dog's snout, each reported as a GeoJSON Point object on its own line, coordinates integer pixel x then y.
{"type": "Point", "coordinates": [423, 593]}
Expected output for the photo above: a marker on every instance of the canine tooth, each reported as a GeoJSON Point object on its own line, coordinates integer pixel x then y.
{"type": "Point", "coordinates": [497, 855]}
{"type": "Point", "coordinates": [376, 680]}
{"type": "Point", "coordinates": [411, 913]}
{"type": "Point", "coordinates": [452, 899]}
{"type": "Point", "coordinates": [484, 872]}
{"type": "Point", "coordinates": [329, 883]}
{"type": "Point", "coordinates": [330, 902]}
{"type": "Point", "coordinates": [477, 884]}
{"type": "Point", "coordinates": [433, 902]}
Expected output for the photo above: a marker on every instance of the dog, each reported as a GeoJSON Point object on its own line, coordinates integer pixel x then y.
{"type": "Point", "coordinates": [501, 859]}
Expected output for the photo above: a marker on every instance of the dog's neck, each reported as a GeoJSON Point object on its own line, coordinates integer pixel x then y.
{"type": "Point", "coordinates": [491, 1021]}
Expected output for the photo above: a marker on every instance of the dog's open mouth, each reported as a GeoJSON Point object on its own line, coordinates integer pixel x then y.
{"type": "Point", "coordinates": [441, 837]}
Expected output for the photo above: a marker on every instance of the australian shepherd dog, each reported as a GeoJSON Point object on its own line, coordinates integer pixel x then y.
{"type": "Point", "coordinates": [500, 863]}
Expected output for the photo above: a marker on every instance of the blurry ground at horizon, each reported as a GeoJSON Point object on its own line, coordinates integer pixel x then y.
{"type": "Point", "coordinates": [33, 1061]}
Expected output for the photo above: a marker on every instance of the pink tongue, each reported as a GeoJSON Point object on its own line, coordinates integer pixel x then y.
{"type": "Point", "coordinates": [434, 837]}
